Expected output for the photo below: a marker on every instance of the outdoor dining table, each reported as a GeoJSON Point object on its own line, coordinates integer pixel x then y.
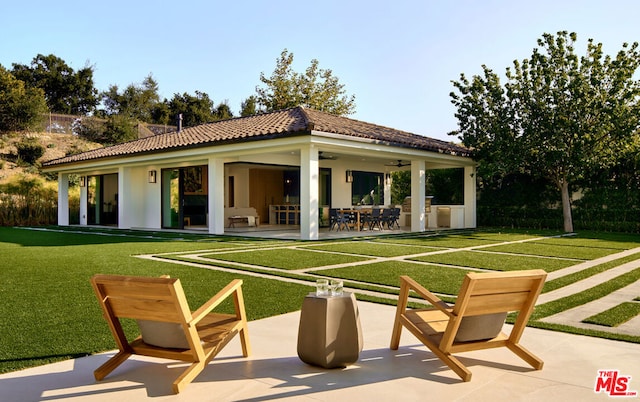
{"type": "Point", "coordinates": [356, 212]}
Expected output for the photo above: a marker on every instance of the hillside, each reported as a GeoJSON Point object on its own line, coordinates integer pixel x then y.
{"type": "Point", "coordinates": [55, 145]}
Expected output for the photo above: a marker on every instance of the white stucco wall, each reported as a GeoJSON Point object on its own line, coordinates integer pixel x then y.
{"type": "Point", "coordinates": [150, 197]}
{"type": "Point", "coordinates": [241, 184]}
{"type": "Point", "coordinates": [138, 200]}
{"type": "Point", "coordinates": [63, 199]}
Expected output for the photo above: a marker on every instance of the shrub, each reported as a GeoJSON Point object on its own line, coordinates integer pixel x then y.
{"type": "Point", "coordinates": [29, 200]}
{"type": "Point", "coordinates": [29, 151]}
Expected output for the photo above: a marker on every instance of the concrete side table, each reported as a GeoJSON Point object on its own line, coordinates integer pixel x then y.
{"type": "Point", "coordinates": [329, 334]}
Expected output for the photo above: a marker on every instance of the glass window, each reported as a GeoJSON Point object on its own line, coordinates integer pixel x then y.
{"type": "Point", "coordinates": [367, 188]}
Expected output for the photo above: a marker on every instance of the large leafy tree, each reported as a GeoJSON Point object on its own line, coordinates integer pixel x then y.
{"type": "Point", "coordinates": [195, 109]}
{"type": "Point", "coordinates": [249, 106]}
{"type": "Point", "coordinates": [315, 88]}
{"type": "Point", "coordinates": [21, 107]}
{"type": "Point", "coordinates": [136, 101]}
{"type": "Point", "coordinates": [66, 91]}
{"type": "Point", "coordinates": [558, 117]}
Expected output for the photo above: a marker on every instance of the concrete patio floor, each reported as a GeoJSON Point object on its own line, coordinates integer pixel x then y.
{"type": "Point", "coordinates": [274, 373]}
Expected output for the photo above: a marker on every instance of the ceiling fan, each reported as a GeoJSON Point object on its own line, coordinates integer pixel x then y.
{"type": "Point", "coordinates": [399, 163]}
{"type": "Point", "coordinates": [322, 156]}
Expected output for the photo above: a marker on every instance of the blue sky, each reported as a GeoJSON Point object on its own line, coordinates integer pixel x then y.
{"type": "Point", "coordinates": [398, 58]}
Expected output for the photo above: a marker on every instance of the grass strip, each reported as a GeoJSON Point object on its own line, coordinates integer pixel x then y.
{"type": "Point", "coordinates": [616, 315]}
{"type": "Point", "coordinates": [496, 261]}
{"type": "Point", "coordinates": [436, 279]}
{"type": "Point", "coordinates": [621, 241]}
{"type": "Point", "coordinates": [438, 241]}
{"type": "Point", "coordinates": [286, 258]}
{"type": "Point", "coordinates": [578, 299]}
{"type": "Point", "coordinates": [583, 331]}
{"type": "Point", "coordinates": [374, 248]}
{"type": "Point", "coordinates": [311, 277]}
{"type": "Point", "coordinates": [563, 249]}
{"type": "Point", "coordinates": [585, 273]}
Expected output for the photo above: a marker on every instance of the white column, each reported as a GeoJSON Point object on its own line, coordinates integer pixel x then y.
{"type": "Point", "coordinates": [83, 202]}
{"type": "Point", "coordinates": [309, 176]}
{"type": "Point", "coordinates": [63, 199]}
{"type": "Point", "coordinates": [418, 177]}
{"type": "Point", "coordinates": [216, 196]}
{"type": "Point", "coordinates": [123, 198]}
{"type": "Point", "coordinates": [387, 189]}
{"type": "Point", "coordinates": [470, 197]}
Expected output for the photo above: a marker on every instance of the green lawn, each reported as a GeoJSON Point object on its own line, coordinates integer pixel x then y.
{"type": "Point", "coordinates": [564, 248]}
{"type": "Point", "coordinates": [616, 315]}
{"type": "Point", "coordinates": [45, 289]}
{"type": "Point", "coordinates": [285, 258]}
{"type": "Point", "coordinates": [498, 261]}
{"type": "Point", "coordinates": [435, 278]}
{"type": "Point", "coordinates": [377, 249]}
{"type": "Point", "coordinates": [452, 241]}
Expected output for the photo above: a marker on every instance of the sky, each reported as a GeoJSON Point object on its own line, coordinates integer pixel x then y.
{"type": "Point", "coordinates": [398, 58]}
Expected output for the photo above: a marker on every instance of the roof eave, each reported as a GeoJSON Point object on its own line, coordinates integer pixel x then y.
{"type": "Point", "coordinates": [51, 166]}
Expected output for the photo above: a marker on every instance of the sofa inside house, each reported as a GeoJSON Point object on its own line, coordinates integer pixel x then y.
{"type": "Point", "coordinates": [241, 217]}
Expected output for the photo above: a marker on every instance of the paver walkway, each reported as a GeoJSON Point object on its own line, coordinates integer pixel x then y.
{"type": "Point", "coordinates": [574, 316]}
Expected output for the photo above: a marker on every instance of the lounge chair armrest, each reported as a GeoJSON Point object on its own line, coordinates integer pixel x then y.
{"type": "Point", "coordinates": [425, 294]}
{"type": "Point", "coordinates": [206, 308]}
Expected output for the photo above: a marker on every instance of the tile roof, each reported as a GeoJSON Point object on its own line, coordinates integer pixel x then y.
{"type": "Point", "coordinates": [280, 124]}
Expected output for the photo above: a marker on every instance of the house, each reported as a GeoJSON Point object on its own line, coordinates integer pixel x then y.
{"type": "Point", "coordinates": [299, 159]}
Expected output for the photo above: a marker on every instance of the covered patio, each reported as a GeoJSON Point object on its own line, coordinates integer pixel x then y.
{"type": "Point", "coordinates": [251, 167]}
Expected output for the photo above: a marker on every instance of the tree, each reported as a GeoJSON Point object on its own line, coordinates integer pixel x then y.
{"type": "Point", "coordinates": [400, 186]}
{"type": "Point", "coordinates": [317, 88]}
{"type": "Point", "coordinates": [617, 186]}
{"type": "Point", "coordinates": [195, 109]}
{"type": "Point", "coordinates": [558, 116]}
{"type": "Point", "coordinates": [119, 128]}
{"type": "Point", "coordinates": [21, 107]}
{"type": "Point", "coordinates": [223, 111]}
{"type": "Point", "coordinates": [66, 91]}
{"type": "Point", "coordinates": [91, 128]}
{"type": "Point", "coordinates": [136, 102]}
{"type": "Point", "coordinates": [161, 114]}
{"type": "Point", "coordinates": [249, 107]}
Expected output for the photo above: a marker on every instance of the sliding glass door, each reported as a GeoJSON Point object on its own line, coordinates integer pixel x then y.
{"type": "Point", "coordinates": [184, 197]}
{"type": "Point", "coordinates": [102, 200]}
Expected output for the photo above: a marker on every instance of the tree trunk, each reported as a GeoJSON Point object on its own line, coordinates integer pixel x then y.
{"type": "Point", "coordinates": [566, 206]}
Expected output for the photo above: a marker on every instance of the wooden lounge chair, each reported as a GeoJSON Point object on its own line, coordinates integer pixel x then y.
{"type": "Point", "coordinates": [169, 329]}
{"type": "Point", "coordinates": [476, 319]}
